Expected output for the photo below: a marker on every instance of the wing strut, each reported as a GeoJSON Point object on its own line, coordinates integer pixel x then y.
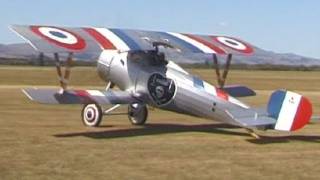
{"type": "Point", "coordinates": [222, 79]}
{"type": "Point", "coordinates": [63, 78]}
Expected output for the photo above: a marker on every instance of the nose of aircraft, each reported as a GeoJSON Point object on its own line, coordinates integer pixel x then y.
{"type": "Point", "coordinates": [104, 63]}
{"type": "Point", "coordinates": [106, 57]}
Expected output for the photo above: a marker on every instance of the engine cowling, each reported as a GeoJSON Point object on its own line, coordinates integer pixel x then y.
{"type": "Point", "coordinates": [112, 66]}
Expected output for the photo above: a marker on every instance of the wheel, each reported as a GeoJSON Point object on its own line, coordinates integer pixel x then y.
{"type": "Point", "coordinates": [137, 114]}
{"type": "Point", "coordinates": [91, 115]}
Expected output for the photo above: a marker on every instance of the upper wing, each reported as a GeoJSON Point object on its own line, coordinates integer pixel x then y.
{"type": "Point", "coordinates": [52, 96]}
{"type": "Point", "coordinates": [50, 39]}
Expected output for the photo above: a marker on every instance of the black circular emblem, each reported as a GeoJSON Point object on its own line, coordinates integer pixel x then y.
{"type": "Point", "coordinates": [161, 89]}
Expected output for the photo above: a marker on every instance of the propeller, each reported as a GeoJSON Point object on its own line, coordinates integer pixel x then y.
{"type": "Point", "coordinates": [222, 79]}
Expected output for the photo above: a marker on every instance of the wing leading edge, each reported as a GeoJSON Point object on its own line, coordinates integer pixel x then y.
{"type": "Point", "coordinates": [51, 39]}
{"type": "Point", "coordinates": [53, 96]}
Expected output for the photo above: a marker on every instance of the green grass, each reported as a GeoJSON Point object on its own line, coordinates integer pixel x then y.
{"type": "Point", "coordinates": [50, 142]}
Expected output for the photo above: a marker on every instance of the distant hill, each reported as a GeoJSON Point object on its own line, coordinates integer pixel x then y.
{"type": "Point", "coordinates": [22, 50]}
{"type": "Point", "coordinates": [261, 57]}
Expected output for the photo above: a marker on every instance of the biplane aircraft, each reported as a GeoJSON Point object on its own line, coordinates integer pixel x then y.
{"type": "Point", "coordinates": [136, 62]}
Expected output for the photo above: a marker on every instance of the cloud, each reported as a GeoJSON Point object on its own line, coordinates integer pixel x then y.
{"type": "Point", "coordinates": [223, 24]}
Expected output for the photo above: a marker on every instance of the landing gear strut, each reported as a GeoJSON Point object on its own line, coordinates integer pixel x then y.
{"type": "Point", "coordinates": [92, 114]}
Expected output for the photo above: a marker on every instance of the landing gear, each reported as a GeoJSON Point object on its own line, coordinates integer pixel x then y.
{"type": "Point", "coordinates": [252, 133]}
{"type": "Point", "coordinates": [137, 114]}
{"type": "Point", "coordinates": [92, 114]}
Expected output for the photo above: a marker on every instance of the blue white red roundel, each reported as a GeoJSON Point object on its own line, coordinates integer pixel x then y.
{"type": "Point", "coordinates": [234, 44]}
{"type": "Point", "coordinates": [60, 37]}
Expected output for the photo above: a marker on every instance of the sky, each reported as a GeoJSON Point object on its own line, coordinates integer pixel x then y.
{"type": "Point", "coordinates": [286, 26]}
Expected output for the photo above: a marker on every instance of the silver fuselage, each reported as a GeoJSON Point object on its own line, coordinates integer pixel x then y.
{"type": "Point", "coordinates": [167, 87]}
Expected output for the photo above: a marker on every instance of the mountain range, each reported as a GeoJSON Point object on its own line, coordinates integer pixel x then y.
{"type": "Point", "coordinates": [260, 57]}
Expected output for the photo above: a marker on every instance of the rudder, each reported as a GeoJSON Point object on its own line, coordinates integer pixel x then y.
{"type": "Point", "coordinates": [291, 110]}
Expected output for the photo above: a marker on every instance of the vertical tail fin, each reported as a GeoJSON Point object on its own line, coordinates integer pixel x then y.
{"type": "Point", "coordinates": [291, 110]}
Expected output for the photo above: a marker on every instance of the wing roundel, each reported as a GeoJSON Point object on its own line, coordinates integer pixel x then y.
{"type": "Point", "coordinates": [60, 37]}
{"type": "Point", "coordinates": [51, 39]}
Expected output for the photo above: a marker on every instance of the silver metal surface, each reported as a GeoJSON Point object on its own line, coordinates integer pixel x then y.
{"type": "Point", "coordinates": [131, 72]}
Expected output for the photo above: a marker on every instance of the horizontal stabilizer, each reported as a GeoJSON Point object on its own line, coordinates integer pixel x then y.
{"type": "Point", "coordinates": [286, 111]}
{"type": "Point", "coordinates": [239, 91]}
{"type": "Point", "coordinates": [53, 96]}
{"type": "Point", "coordinates": [251, 118]}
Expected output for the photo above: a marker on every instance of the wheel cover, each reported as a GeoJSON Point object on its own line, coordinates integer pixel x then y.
{"type": "Point", "coordinates": [91, 115]}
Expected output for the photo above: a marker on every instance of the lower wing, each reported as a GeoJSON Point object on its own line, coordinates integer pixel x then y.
{"type": "Point", "coordinates": [53, 96]}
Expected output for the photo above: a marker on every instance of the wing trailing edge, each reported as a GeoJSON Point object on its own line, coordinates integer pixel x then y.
{"type": "Point", "coordinates": [53, 96]}
{"type": "Point", "coordinates": [52, 39]}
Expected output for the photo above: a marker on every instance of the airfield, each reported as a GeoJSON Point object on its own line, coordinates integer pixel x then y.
{"type": "Point", "coordinates": [49, 141]}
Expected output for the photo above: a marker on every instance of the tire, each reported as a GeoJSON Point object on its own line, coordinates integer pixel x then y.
{"type": "Point", "coordinates": [91, 115]}
{"type": "Point", "coordinates": [137, 114]}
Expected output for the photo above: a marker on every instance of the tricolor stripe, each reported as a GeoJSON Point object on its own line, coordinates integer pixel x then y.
{"type": "Point", "coordinates": [104, 42]}
{"type": "Point", "coordinates": [288, 111]}
{"type": "Point", "coordinates": [303, 114]}
{"type": "Point", "coordinates": [96, 93]}
{"type": "Point", "coordinates": [86, 97]}
{"type": "Point", "coordinates": [291, 110]}
{"type": "Point", "coordinates": [127, 39]}
{"type": "Point", "coordinates": [222, 94]}
{"type": "Point", "coordinates": [214, 91]}
{"type": "Point", "coordinates": [207, 44]}
{"type": "Point", "coordinates": [275, 103]}
{"type": "Point", "coordinates": [114, 39]}
{"type": "Point", "coordinates": [193, 42]}
{"type": "Point", "coordinates": [182, 43]}
{"type": "Point", "coordinates": [89, 96]}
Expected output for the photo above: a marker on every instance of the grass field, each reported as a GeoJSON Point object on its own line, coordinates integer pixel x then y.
{"type": "Point", "coordinates": [50, 142]}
